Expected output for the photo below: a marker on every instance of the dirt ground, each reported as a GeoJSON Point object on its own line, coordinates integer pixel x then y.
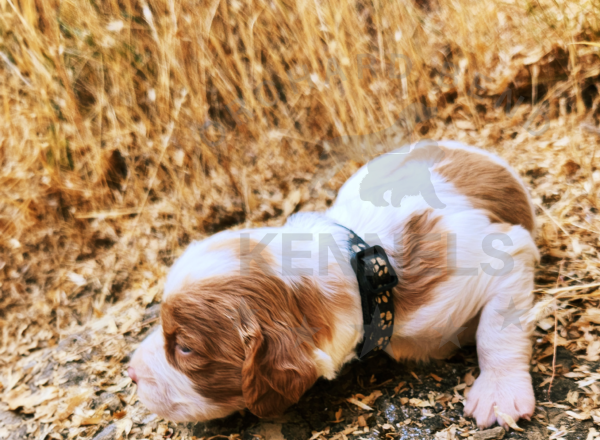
{"type": "Point", "coordinates": [408, 401]}
{"type": "Point", "coordinates": [316, 412]}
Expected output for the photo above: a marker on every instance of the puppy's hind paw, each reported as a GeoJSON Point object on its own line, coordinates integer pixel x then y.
{"type": "Point", "coordinates": [512, 394]}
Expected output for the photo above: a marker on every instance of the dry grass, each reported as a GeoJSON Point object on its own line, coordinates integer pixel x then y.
{"type": "Point", "coordinates": [109, 164]}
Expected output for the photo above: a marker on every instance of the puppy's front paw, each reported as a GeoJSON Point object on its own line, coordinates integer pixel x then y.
{"type": "Point", "coordinates": [511, 393]}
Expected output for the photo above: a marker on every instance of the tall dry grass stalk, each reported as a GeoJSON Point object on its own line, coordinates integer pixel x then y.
{"type": "Point", "coordinates": [130, 127]}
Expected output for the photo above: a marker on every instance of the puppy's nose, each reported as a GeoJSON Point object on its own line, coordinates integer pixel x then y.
{"type": "Point", "coordinates": [132, 375]}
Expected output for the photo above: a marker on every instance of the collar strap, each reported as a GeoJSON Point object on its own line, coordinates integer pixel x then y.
{"type": "Point", "coordinates": [376, 279]}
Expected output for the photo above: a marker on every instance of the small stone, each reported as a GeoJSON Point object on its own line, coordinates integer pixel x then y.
{"type": "Point", "coordinates": [18, 433]}
{"type": "Point", "coordinates": [152, 312]}
{"type": "Point", "coordinates": [148, 419]}
{"type": "Point", "coordinates": [489, 434]}
{"type": "Point", "coordinates": [112, 402]}
{"type": "Point", "coordinates": [108, 433]}
{"type": "Point", "coordinates": [10, 418]}
{"type": "Point", "coordinates": [15, 425]}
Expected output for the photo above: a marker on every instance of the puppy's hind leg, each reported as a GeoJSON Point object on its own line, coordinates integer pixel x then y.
{"type": "Point", "coordinates": [504, 341]}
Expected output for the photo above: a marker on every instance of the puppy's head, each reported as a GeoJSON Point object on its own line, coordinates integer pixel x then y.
{"type": "Point", "coordinates": [227, 342]}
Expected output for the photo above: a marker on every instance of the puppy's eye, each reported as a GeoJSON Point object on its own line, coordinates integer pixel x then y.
{"type": "Point", "coordinates": [183, 349]}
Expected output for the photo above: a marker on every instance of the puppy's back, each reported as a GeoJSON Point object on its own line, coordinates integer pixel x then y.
{"type": "Point", "coordinates": [446, 176]}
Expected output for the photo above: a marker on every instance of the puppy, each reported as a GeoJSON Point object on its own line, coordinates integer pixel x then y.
{"type": "Point", "coordinates": [252, 318]}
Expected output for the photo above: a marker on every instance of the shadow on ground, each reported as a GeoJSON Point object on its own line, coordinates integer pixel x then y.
{"type": "Point", "coordinates": [390, 418]}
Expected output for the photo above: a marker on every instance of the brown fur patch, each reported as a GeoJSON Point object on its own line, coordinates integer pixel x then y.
{"type": "Point", "coordinates": [422, 259]}
{"type": "Point", "coordinates": [489, 186]}
{"type": "Point", "coordinates": [424, 348]}
{"type": "Point", "coordinates": [251, 338]}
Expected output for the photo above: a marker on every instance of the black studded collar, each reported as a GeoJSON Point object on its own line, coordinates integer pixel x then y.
{"type": "Point", "coordinates": [376, 279]}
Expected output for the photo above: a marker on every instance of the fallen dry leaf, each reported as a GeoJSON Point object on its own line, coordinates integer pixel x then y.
{"type": "Point", "coordinates": [338, 416]}
{"type": "Point", "coordinates": [507, 419]}
{"type": "Point", "coordinates": [372, 397]}
{"type": "Point", "coordinates": [30, 400]}
{"type": "Point", "coordinates": [358, 403]}
{"type": "Point", "coordinates": [579, 416]}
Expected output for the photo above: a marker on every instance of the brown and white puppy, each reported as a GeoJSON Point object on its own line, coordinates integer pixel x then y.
{"type": "Point", "coordinates": [252, 318]}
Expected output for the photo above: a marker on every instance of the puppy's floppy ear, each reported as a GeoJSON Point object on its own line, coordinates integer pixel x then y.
{"type": "Point", "coordinates": [277, 369]}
